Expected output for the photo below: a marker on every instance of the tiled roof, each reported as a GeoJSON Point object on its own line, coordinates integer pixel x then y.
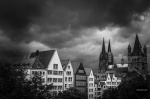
{"type": "Point", "coordinates": [121, 70]}
{"type": "Point", "coordinates": [75, 66]}
{"type": "Point", "coordinates": [88, 71]}
{"type": "Point", "coordinates": [28, 63]}
{"type": "Point", "coordinates": [44, 56]}
{"type": "Point", "coordinates": [64, 63]}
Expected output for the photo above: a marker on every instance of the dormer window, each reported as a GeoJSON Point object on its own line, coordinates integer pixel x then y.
{"type": "Point", "coordinates": [68, 67]}
{"type": "Point", "coordinates": [55, 66]}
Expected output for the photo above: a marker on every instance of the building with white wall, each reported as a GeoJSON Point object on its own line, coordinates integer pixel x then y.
{"type": "Point", "coordinates": [90, 83]}
{"type": "Point", "coordinates": [68, 75]}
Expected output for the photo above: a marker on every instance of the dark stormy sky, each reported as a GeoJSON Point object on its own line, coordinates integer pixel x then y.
{"type": "Point", "coordinates": [74, 27]}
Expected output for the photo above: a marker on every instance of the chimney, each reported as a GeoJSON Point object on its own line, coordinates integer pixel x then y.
{"type": "Point", "coordinates": [37, 52]}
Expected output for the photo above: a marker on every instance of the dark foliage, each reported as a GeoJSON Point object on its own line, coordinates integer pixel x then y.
{"type": "Point", "coordinates": [71, 93]}
{"type": "Point", "coordinates": [13, 84]}
{"type": "Point", "coordinates": [136, 88]}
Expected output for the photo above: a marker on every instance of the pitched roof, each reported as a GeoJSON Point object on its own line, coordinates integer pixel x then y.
{"type": "Point", "coordinates": [121, 70]}
{"type": "Point", "coordinates": [64, 63]}
{"type": "Point", "coordinates": [75, 66]}
{"type": "Point", "coordinates": [44, 56]}
{"type": "Point", "coordinates": [88, 71]}
{"type": "Point", "coordinates": [28, 63]}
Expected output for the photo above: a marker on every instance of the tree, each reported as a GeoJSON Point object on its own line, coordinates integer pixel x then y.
{"type": "Point", "coordinates": [14, 85]}
{"type": "Point", "coordinates": [110, 93]}
{"type": "Point", "coordinates": [71, 93]}
{"type": "Point", "coordinates": [136, 88]}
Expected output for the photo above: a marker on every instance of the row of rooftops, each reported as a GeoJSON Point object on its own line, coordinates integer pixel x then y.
{"type": "Point", "coordinates": [43, 58]}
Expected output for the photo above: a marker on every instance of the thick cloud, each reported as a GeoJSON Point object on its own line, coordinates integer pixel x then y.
{"type": "Point", "coordinates": [70, 24]}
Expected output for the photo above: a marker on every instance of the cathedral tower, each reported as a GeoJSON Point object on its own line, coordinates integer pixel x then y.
{"type": "Point", "coordinates": [110, 55]}
{"type": "Point", "coordinates": [103, 59]}
{"type": "Point", "coordinates": [137, 60]}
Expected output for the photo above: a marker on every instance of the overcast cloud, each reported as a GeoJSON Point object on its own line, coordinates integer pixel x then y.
{"type": "Point", "coordinates": [74, 27]}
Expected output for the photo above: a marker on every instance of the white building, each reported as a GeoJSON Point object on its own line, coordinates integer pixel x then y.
{"type": "Point", "coordinates": [90, 83]}
{"type": "Point", "coordinates": [68, 74]}
{"type": "Point", "coordinates": [52, 64]}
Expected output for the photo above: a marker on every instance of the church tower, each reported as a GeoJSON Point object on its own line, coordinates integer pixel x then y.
{"type": "Point", "coordinates": [137, 60]}
{"type": "Point", "coordinates": [110, 55]}
{"type": "Point", "coordinates": [103, 59]}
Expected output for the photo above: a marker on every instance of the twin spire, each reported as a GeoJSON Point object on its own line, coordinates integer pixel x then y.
{"type": "Point", "coordinates": [103, 47]}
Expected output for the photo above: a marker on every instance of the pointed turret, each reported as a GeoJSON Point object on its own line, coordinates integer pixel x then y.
{"type": "Point", "coordinates": [103, 47]}
{"type": "Point", "coordinates": [137, 45]}
{"type": "Point", "coordinates": [129, 50]}
{"type": "Point", "coordinates": [109, 47]}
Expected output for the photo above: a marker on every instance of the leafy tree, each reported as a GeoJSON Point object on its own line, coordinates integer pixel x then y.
{"type": "Point", "coordinates": [71, 93]}
{"type": "Point", "coordinates": [14, 85]}
{"type": "Point", "coordinates": [136, 88]}
{"type": "Point", "coordinates": [110, 93]}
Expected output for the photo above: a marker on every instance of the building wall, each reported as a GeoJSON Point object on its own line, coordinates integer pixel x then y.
{"type": "Point", "coordinates": [68, 77]}
{"type": "Point", "coordinates": [91, 88]}
{"type": "Point", "coordinates": [55, 73]}
{"type": "Point", "coordinates": [81, 79]}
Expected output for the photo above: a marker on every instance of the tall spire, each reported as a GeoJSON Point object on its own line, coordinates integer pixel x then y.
{"type": "Point", "coordinates": [109, 47]}
{"type": "Point", "coordinates": [103, 47]}
{"type": "Point", "coordinates": [137, 45]}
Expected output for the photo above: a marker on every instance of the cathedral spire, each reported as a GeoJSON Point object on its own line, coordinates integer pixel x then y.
{"type": "Point", "coordinates": [109, 47]}
{"type": "Point", "coordinates": [103, 47]}
{"type": "Point", "coordinates": [137, 45]}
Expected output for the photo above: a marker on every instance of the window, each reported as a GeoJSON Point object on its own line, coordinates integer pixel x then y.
{"type": "Point", "coordinates": [49, 79]}
{"type": "Point", "coordinates": [65, 85]}
{"type": "Point", "coordinates": [90, 90]}
{"type": "Point", "coordinates": [54, 79]}
{"type": "Point", "coordinates": [80, 71]}
{"type": "Point", "coordinates": [55, 66]}
{"type": "Point", "coordinates": [90, 79]}
{"type": "Point", "coordinates": [69, 78]}
{"type": "Point", "coordinates": [68, 73]}
{"type": "Point", "coordinates": [43, 73]}
{"type": "Point", "coordinates": [90, 95]}
{"type": "Point", "coordinates": [65, 78]}
{"type": "Point", "coordinates": [60, 88]}
{"type": "Point", "coordinates": [55, 72]}
{"type": "Point", "coordinates": [55, 87]}
{"type": "Point", "coordinates": [33, 72]}
{"type": "Point", "coordinates": [78, 77]}
{"type": "Point", "coordinates": [90, 84]}
{"type": "Point", "coordinates": [49, 72]}
{"type": "Point", "coordinates": [68, 67]}
{"type": "Point", "coordinates": [60, 72]}
{"type": "Point", "coordinates": [59, 79]}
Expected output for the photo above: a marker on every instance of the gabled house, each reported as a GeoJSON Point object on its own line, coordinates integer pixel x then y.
{"type": "Point", "coordinates": [50, 60]}
{"type": "Point", "coordinates": [32, 66]}
{"type": "Point", "coordinates": [90, 83]}
{"type": "Point", "coordinates": [68, 74]}
{"type": "Point", "coordinates": [80, 78]}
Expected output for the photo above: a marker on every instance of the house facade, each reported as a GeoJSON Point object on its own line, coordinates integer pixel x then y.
{"type": "Point", "coordinates": [80, 78]}
{"type": "Point", "coordinates": [68, 75]}
{"type": "Point", "coordinates": [52, 64]}
{"type": "Point", "coordinates": [90, 83]}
